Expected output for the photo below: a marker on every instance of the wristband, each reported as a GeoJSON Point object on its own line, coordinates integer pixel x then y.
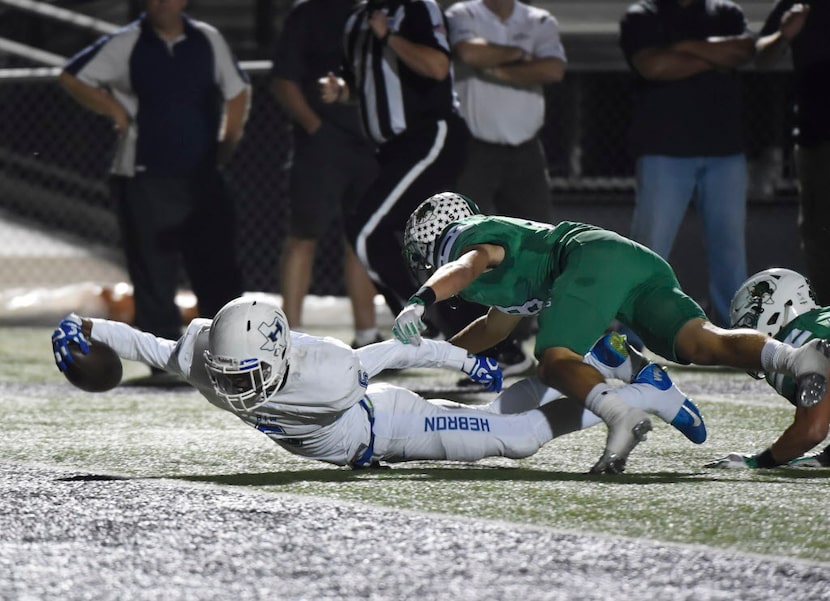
{"type": "Point", "coordinates": [765, 459]}
{"type": "Point", "coordinates": [385, 39]}
{"type": "Point", "coordinates": [425, 296]}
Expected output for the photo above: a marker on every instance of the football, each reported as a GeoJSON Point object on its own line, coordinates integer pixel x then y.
{"type": "Point", "coordinates": [97, 371]}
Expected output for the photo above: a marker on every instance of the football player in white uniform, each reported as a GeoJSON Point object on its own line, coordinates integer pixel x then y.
{"type": "Point", "coordinates": [313, 396]}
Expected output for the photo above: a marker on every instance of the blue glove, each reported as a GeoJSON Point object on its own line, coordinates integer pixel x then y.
{"type": "Point", "coordinates": [68, 330]}
{"type": "Point", "coordinates": [483, 370]}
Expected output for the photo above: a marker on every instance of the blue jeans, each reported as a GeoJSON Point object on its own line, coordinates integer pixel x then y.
{"type": "Point", "coordinates": [666, 185]}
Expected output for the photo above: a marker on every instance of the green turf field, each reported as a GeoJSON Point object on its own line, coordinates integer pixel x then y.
{"type": "Point", "coordinates": [664, 495]}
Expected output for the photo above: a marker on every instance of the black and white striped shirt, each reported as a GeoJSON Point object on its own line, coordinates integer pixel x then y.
{"type": "Point", "coordinates": [392, 97]}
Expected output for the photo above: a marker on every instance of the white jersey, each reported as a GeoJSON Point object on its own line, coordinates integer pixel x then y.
{"type": "Point", "coordinates": [328, 410]}
{"type": "Point", "coordinates": [494, 112]}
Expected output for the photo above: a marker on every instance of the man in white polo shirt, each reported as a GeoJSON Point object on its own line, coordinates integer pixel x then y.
{"type": "Point", "coordinates": [505, 52]}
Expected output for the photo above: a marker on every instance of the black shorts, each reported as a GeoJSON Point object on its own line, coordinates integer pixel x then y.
{"type": "Point", "coordinates": [331, 172]}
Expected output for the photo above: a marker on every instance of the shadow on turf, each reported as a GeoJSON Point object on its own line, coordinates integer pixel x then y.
{"type": "Point", "coordinates": [477, 473]}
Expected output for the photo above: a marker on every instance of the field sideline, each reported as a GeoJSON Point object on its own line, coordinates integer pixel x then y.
{"type": "Point", "coordinates": [96, 456]}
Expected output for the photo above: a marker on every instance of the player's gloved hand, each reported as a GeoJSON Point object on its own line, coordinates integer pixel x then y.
{"type": "Point", "coordinates": [68, 330]}
{"type": "Point", "coordinates": [409, 323]}
{"type": "Point", "coordinates": [483, 370]}
{"type": "Point", "coordinates": [734, 461]}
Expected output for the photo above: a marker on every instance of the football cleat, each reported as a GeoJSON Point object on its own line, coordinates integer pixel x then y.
{"type": "Point", "coordinates": [819, 460]}
{"type": "Point", "coordinates": [688, 419]}
{"type": "Point", "coordinates": [614, 357]}
{"type": "Point", "coordinates": [625, 432]}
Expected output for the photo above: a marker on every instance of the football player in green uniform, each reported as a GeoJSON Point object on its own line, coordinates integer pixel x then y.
{"type": "Point", "coordinates": [779, 302]}
{"type": "Point", "coordinates": [578, 278]}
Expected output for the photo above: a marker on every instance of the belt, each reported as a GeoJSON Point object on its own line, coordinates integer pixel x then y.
{"type": "Point", "coordinates": [365, 458]}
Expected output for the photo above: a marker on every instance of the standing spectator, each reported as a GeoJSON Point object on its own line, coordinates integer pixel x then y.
{"type": "Point", "coordinates": [178, 101]}
{"type": "Point", "coordinates": [397, 68]}
{"type": "Point", "coordinates": [334, 163]}
{"type": "Point", "coordinates": [686, 131]}
{"type": "Point", "coordinates": [805, 28]}
{"type": "Point", "coordinates": [505, 52]}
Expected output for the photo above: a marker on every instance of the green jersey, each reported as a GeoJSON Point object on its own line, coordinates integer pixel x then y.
{"type": "Point", "coordinates": [576, 277]}
{"type": "Point", "coordinates": [807, 326]}
{"type": "Point", "coordinates": [521, 284]}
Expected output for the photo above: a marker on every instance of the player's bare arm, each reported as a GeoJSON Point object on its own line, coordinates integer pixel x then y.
{"type": "Point", "coordinates": [722, 52]}
{"type": "Point", "coordinates": [447, 281]}
{"type": "Point", "coordinates": [770, 48]}
{"type": "Point", "coordinates": [486, 331]}
{"type": "Point", "coordinates": [422, 59]}
{"type": "Point", "coordinates": [809, 428]}
{"type": "Point", "coordinates": [98, 100]}
{"type": "Point", "coordinates": [450, 279]}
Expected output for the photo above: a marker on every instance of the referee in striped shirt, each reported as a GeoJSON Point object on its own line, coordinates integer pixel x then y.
{"type": "Point", "coordinates": [397, 69]}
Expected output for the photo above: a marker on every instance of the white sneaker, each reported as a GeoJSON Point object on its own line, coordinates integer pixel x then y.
{"type": "Point", "coordinates": [625, 431]}
{"type": "Point", "coordinates": [810, 365]}
{"type": "Point", "coordinates": [818, 460]}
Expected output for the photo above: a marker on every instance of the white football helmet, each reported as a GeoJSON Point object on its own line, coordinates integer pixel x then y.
{"type": "Point", "coordinates": [425, 225]}
{"type": "Point", "coordinates": [247, 356]}
{"type": "Point", "coordinates": [771, 299]}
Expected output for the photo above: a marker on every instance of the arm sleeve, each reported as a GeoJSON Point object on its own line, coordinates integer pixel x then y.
{"type": "Point", "coordinates": [773, 21]}
{"type": "Point", "coordinates": [733, 21]}
{"type": "Point", "coordinates": [132, 344]}
{"type": "Point", "coordinates": [229, 75]}
{"type": "Point", "coordinates": [105, 63]}
{"type": "Point", "coordinates": [288, 59]}
{"type": "Point", "coordinates": [549, 43]}
{"type": "Point", "coordinates": [424, 23]}
{"type": "Point", "coordinates": [639, 30]}
{"type": "Point", "coordinates": [391, 354]}
{"type": "Point", "coordinates": [461, 23]}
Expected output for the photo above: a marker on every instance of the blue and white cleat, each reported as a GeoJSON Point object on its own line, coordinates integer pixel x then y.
{"type": "Point", "coordinates": [688, 419]}
{"type": "Point", "coordinates": [614, 357]}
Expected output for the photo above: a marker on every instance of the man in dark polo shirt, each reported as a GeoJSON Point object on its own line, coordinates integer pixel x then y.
{"type": "Point", "coordinates": [804, 28]}
{"type": "Point", "coordinates": [686, 131]}
{"type": "Point", "coordinates": [178, 102]}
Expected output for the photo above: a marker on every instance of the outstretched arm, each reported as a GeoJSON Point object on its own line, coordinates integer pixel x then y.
{"type": "Point", "coordinates": [447, 281]}
{"type": "Point", "coordinates": [132, 344]}
{"type": "Point", "coordinates": [391, 354]}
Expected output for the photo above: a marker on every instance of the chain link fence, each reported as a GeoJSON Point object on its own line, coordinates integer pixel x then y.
{"type": "Point", "coordinates": [54, 159]}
